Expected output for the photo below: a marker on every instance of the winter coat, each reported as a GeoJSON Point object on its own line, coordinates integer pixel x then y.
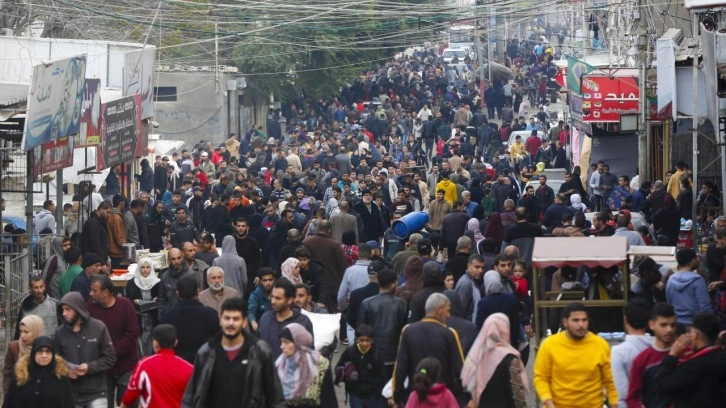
{"type": "Point", "coordinates": [94, 237]}
{"type": "Point", "coordinates": [91, 345]}
{"type": "Point", "coordinates": [116, 234]}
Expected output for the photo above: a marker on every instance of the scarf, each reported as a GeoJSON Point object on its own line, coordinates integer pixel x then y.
{"type": "Point", "coordinates": [298, 371]}
{"type": "Point", "coordinates": [145, 283]}
{"type": "Point", "coordinates": [286, 269]}
{"type": "Point", "coordinates": [489, 349]}
{"type": "Point", "coordinates": [37, 328]}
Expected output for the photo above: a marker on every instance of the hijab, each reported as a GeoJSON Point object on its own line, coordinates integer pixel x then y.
{"type": "Point", "coordinates": [473, 226]}
{"type": "Point", "coordinates": [298, 371]}
{"type": "Point", "coordinates": [286, 269]}
{"type": "Point", "coordinates": [493, 283]}
{"type": "Point", "coordinates": [35, 324]}
{"type": "Point", "coordinates": [495, 229]}
{"type": "Point", "coordinates": [40, 371]}
{"type": "Point", "coordinates": [489, 349]}
{"type": "Point", "coordinates": [576, 201]}
{"type": "Point", "coordinates": [145, 283]}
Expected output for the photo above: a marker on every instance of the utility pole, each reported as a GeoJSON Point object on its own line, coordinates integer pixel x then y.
{"type": "Point", "coordinates": [643, 60]}
{"type": "Point", "coordinates": [216, 59]}
{"type": "Point", "coordinates": [694, 125]}
{"type": "Point", "coordinates": [585, 32]}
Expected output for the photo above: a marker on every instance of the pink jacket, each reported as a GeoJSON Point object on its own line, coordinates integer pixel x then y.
{"type": "Point", "coordinates": [439, 397]}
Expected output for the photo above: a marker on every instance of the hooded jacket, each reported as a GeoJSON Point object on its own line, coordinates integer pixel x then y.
{"type": "Point", "coordinates": [688, 293]}
{"type": "Point", "coordinates": [91, 345]}
{"type": "Point", "coordinates": [44, 219]}
{"type": "Point", "coordinates": [433, 282]}
{"type": "Point", "coordinates": [167, 290]}
{"type": "Point", "coordinates": [234, 267]}
{"type": "Point", "coordinates": [438, 397]}
{"type": "Point", "coordinates": [449, 190]}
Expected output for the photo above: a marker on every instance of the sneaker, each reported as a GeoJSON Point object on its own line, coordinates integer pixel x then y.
{"type": "Point", "coordinates": [523, 346]}
{"type": "Point", "coordinates": [344, 342]}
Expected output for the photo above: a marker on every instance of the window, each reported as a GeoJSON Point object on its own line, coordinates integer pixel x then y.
{"type": "Point", "coordinates": [165, 94]}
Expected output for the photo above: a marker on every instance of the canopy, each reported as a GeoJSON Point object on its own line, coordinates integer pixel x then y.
{"type": "Point", "coordinates": [588, 251]}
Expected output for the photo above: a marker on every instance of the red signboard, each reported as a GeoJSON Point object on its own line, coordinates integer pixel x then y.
{"type": "Point", "coordinates": [54, 155]}
{"type": "Point", "coordinates": [606, 97]}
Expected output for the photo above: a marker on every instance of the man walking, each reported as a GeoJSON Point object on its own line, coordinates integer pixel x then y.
{"type": "Point", "coordinates": [159, 380]}
{"type": "Point", "coordinates": [234, 369]}
{"type": "Point", "coordinates": [283, 313]}
{"type": "Point", "coordinates": [86, 345]}
{"type": "Point", "coordinates": [119, 316]}
{"type": "Point", "coordinates": [573, 366]}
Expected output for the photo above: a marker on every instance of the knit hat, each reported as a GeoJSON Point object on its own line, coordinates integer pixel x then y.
{"type": "Point", "coordinates": [90, 258]}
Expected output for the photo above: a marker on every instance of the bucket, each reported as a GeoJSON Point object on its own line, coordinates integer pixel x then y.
{"type": "Point", "coordinates": [409, 224]}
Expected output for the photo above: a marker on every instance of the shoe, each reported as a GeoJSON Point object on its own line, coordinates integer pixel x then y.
{"type": "Point", "coordinates": [344, 342]}
{"type": "Point", "coordinates": [523, 346]}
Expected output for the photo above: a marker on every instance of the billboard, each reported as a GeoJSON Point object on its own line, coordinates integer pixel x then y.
{"type": "Point", "coordinates": [667, 90]}
{"type": "Point", "coordinates": [90, 133]}
{"type": "Point", "coordinates": [55, 101]}
{"type": "Point", "coordinates": [119, 131]}
{"type": "Point", "coordinates": [54, 155]}
{"type": "Point", "coordinates": [138, 77]}
{"type": "Point", "coordinates": [607, 96]}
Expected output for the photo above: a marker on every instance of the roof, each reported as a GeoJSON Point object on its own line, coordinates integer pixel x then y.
{"type": "Point", "coordinates": [588, 251]}
{"type": "Point", "coordinates": [13, 94]}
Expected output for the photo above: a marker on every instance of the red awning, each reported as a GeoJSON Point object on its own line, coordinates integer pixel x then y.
{"type": "Point", "coordinates": [588, 251]}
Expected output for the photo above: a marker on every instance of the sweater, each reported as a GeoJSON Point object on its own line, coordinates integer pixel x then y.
{"type": "Point", "coordinates": [622, 357]}
{"type": "Point", "coordinates": [123, 326]}
{"type": "Point", "coordinates": [572, 373]}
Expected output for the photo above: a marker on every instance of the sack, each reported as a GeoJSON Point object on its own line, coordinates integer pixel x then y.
{"type": "Point", "coordinates": [346, 373]}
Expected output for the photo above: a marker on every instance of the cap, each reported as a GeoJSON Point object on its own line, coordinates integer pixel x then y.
{"type": "Point", "coordinates": [165, 158]}
{"type": "Point", "coordinates": [424, 246]}
{"type": "Point", "coordinates": [386, 277]}
{"type": "Point", "coordinates": [375, 266]}
{"type": "Point", "coordinates": [373, 244]}
{"type": "Point", "coordinates": [90, 258]}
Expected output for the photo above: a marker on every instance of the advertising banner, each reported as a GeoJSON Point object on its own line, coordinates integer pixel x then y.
{"type": "Point", "coordinates": [138, 77]}
{"type": "Point", "coordinates": [666, 72]}
{"type": "Point", "coordinates": [120, 131]}
{"type": "Point", "coordinates": [606, 97]}
{"type": "Point", "coordinates": [90, 134]}
{"type": "Point", "coordinates": [708, 51]}
{"type": "Point", "coordinates": [54, 155]}
{"type": "Point", "coordinates": [55, 101]}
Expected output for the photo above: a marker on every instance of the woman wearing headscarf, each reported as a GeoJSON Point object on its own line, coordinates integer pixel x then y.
{"type": "Point", "coordinates": [55, 266]}
{"type": "Point", "coordinates": [576, 203]}
{"type": "Point", "coordinates": [41, 379]}
{"type": "Point", "coordinates": [31, 327]}
{"type": "Point", "coordinates": [413, 274]}
{"type": "Point", "coordinates": [234, 267]}
{"type": "Point", "coordinates": [493, 372]}
{"type": "Point", "coordinates": [496, 301]}
{"type": "Point", "coordinates": [495, 230]}
{"type": "Point", "coordinates": [144, 287]}
{"type": "Point", "coordinates": [290, 270]}
{"type": "Point", "coordinates": [304, 373]}
{"type": "Point", "coordinates": [473, 226]}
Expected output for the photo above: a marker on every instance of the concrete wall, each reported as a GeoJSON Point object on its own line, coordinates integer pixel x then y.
{"type": "Point", "coordinates": [200, 112]}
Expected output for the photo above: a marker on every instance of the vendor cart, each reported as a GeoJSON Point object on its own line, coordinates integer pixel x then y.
{"type": "Point", "coordinates": [590, 252]}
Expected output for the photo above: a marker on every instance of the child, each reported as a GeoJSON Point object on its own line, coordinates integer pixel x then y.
{"type": "Point", "coordinates": [362, 371]}
{"type": "Point", "coordinates": [521, 289]}
{"type": "Point", "coordinates": [428, 391]}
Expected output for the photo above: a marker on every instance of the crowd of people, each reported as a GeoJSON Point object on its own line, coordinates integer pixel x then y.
{"type": "Point", "coordinates": [304, 214]}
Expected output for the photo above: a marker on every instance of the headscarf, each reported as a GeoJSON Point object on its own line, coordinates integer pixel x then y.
{"type": "Point", "coordinates": [286, 269]}
{"type": "Point", "coordinates": [35, 324]}
{"type": "Point", "coordinates": [38, 343]}
{"type": "Point", "coordinates": [489, 349]}
{"type": "Point", "coordinates": [298, 371]}
{"type": "Point", "coordinates": [473, 226]}
{"type": "Point", "coordinates": [493, 283]}
{"type": "Point", "coordinates": [576, 201]}
{"type": "Point", "coordinates": [58, 252]}
{"type": "Point", "coordinates": [145, 283]}
{"type": "Point", "coordinates": [495, 229]}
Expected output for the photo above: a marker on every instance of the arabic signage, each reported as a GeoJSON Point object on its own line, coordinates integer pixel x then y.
{"type": "Point", "coordinates": [90, 133]}
{"type": "Point", "coordinates": [119, 131]}
{"type": "Point", "coordinates": [138, 77]}
{"type": "Point", "coordinates": [54, 101]}
{"type": "Point", "coordinates": [576, 114]}
{"type": "Point", "coordinates": [54, 155]}
{"type": "Point", "coordinates": [606, 97]}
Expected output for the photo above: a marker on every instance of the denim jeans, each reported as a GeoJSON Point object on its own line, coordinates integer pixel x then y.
{"type": "Point", "coordinates": [372, 401]}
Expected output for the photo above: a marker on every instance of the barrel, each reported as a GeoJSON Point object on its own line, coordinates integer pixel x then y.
{"type": "Point", "coordinates": [409, 224]}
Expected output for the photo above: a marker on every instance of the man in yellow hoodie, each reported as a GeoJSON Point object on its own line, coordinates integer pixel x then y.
{"type": "Point", "coordinates": [516, 149]}
{"type": "Point", "coordinates": [449, 188]}
{"type": "Point", "coordinates": [573, 366]}
{"type": "Point", "coordinates": [674, 183]}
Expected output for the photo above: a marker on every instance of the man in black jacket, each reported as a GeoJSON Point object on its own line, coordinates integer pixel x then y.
{"type": "Point", "coordinates": [194, 322]}
{"type": "Point", "coordinates": [94, 237]}
{"type": "Point", "coordinates": [441, 343]}
{"type": "Point", "coordinates": [283, 313]}
{"type": "Point", "coordinates": [371, 215]}
{"type": "Point", "coordinates": [242, 366]}
{"type": "Point", "coordinates": [160, 180]}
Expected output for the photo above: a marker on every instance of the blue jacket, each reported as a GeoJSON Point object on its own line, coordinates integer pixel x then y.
{"type": "Point", "coordinates": [259, 303]}
{"type": "Point", "coordinates": [638, 200]}
{"type": "Point", "coordinates": [687, 292]}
